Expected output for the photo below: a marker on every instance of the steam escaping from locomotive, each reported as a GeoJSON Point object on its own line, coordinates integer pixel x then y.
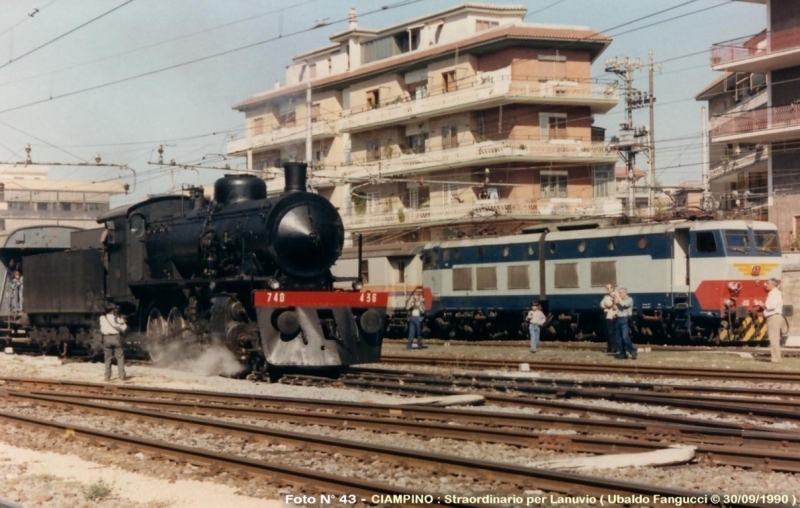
{"type": "Point", "coordinates": [245, 271]}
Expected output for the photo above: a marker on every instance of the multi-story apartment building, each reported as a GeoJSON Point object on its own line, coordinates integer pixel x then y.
{"type": "Point", "coordinates": [755, 122]}
{"type": "Point", "coordinates": [29, 198]}
{"type": "Point", "coordinates": [464, 121]}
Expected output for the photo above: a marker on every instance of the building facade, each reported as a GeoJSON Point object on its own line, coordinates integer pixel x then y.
{"type": "Point", "coordinates": [29, 198]}
{"type": "Point", "coordinates": [755, 120]}
{"type": "Point", "coordinates": [466, 121]}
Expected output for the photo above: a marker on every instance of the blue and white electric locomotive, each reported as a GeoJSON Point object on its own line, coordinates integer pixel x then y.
{"type": "Point", "coordinates": [690, 280]}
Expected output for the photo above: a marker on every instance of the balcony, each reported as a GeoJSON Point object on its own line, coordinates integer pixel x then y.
{"type": "Point", "coordinates": [484, 153]}
{"type": "Point", "coordinates": [764, 125]}
{"type": "Point", "coordinates": [280, 136]}
{"type": "Point", "coordinates": [488, 91]}
{"type": "Point", "coordinates": [543, 209]}
{"type": "Point", "coordinates": [758, 53]}
{"type": "Point", "coordinates": [730, 166]}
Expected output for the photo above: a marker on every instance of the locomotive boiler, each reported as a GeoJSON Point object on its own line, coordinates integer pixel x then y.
{"type": "Point", "coordinates": [246, 271]}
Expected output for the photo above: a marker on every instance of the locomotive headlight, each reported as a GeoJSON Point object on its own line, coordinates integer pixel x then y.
{"type": "Point", "coordinates": [273, 283]}
{"type": "Point", "coordinates": [358, 285]}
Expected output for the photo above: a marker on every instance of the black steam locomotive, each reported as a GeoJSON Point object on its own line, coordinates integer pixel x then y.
{"type": "Point", "coordinates": [246, 271]}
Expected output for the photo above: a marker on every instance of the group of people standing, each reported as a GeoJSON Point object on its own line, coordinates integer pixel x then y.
{"type": "Point", "coordinates": [617, 307]}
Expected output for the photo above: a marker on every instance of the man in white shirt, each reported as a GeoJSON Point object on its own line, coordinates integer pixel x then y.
{"type": "Point", "coordinates": [112, 325]}
{"type": "Point", "coordinates": [773, 313]}
{"type": "Point", "coordinates": [609, 307]}
{"type": "Point", "coordinates": [536, 319]}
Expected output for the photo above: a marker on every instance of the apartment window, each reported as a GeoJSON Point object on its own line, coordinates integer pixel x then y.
{"type": "Point", "coordinates": [17, 205]}
{"type": "Point", "coordinates": [482, 24]}
{"type": "Point", "coordinates": [417, 142]}
{"type": "Point", "coordinates": [374, 98]}
{"type": "Point", "coordinates": [552, 125]}
{"type": "Point", "coordinates": [288, 118]}
{"type": "Point", "coordinates": [373, 201]}
{"type": "Point", "coordinates": [373, 150]}
{"type": "Point", "coordinates": [65, 207]}
{"type": "Point", "coordinates": [258, 126]}
{"type": "Point", "coordinates": [450, 193]}
{"type": "Point", "coordinates": [481, 119]}
{"type": "Point", "coordinates": [319, 156]}
{"type": "Point", "coordinates": [413, 198]}
{"type": "Point", "coordinates": [449, 81]}
{"type": "Point", "coordinates": [553, 66]}
{"type": "Point", "coordinates": [92, 207]}
{"type": "Point", "coordinates": [277, 163]}
{"type": "Point", "coordinates": [449, 137]}
{"type": "Point", "coordinates": [42, 207]}
{"type": "Point", "coordinates": [316, 112]}
{"type": "Point", "coordinates": [414, 34]}
{"type": "Point", "coordinates": [417, 91]}
{"type": "Point", "coordinates": [2, 224]}
{"type": "Point", "coordinates": [364, 271]}
{"type": "Point", "coordinates": [604, 183]}
{"type": "Point", "coordinates": [554, 184]}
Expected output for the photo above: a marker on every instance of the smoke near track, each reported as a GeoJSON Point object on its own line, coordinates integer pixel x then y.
{"type": "Point", "coordinates": [187, 355]}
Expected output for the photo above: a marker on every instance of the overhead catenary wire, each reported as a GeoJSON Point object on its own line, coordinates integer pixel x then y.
{"type": "Point", "coordinates": [51, 41]}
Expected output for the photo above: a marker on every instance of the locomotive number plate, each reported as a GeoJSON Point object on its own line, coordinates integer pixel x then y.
{"type": "Point", "coordinates": [263, 298]}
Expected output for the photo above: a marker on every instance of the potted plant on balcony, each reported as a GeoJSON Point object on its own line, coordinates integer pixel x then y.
{"type": "Point", "coordinates": [401, 215]}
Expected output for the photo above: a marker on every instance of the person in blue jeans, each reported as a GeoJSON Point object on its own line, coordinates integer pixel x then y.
{"type": "Point", "coordinates": [536, 319]}
{"type": "Point", "coordinates": [624, 313]}
{"type": "Point", "coordinates": [417, 308]}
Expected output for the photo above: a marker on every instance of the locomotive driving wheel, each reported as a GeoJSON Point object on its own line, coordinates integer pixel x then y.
{"type": "Point", "coordinates": [156, 332]}
{"type": "Point", "coordinates": [177, 328]}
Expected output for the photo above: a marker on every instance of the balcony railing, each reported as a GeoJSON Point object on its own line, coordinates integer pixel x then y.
{"type": "Point", "coordinates": [757, 120]}
{"type": "Point", "coordinates": [543, 208]}
{"type": "Point", "coordinates": [492, 89]}
{"type": "Point", "coordinates": [733, 164]}
{"type": "Point", "coordinates": [750, 47]}
{"type": "Point", "coordinates": [280, 136]}
{"type": "Point", "coordinates": [563, 150]}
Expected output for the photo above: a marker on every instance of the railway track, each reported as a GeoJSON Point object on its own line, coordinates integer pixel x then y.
{"type": "Point", "coordinates": [516, 476]}
{"type": "Point", "coordinates": [731, 449]}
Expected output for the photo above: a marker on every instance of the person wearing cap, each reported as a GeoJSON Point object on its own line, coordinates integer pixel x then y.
{"type": "Point", "coordinates": [609, 307]}
{"type": "Point", "coordinates": [535, 319]}
{"type": "Point", "coordinates": [773, 313]}
{"type": "Point", "coordinates": [112, 326]}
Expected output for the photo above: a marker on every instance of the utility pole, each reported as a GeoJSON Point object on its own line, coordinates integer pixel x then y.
{"type": "Point", "coordinates": [651, 200]}
{"type": "Point", "coordinates": [628, 144]}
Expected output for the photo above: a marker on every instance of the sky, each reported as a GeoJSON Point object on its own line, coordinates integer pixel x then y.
{"type": "Point", "coordinates": [120, 77]}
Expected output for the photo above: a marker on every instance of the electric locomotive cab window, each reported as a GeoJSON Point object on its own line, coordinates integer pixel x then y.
{"type": "Point", "coordinates": [737, 241]}
{"type": "Point", "coordinates": [767, 241]}
{"type": "Point", "coordinates": [706, 242]}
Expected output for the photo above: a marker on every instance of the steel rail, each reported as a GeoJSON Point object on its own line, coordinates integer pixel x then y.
{"type": "Point", "coordinates": [763, 408]}
{"type": "Point", "coordinates": [542, 479]}
{"type": "Point", "coordinates": [630, 368]}
{"type": "Point", "coordinates": [585, 383]}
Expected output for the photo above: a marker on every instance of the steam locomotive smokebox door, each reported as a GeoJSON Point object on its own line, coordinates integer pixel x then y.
{"type": "Point", "coordinates": [320, 328]}
{"type": "Point", "coordinates": [64, 282]}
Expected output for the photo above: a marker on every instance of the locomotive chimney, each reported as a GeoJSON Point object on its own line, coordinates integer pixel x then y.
{"type": "Point", "coordinates": [294, 174]}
